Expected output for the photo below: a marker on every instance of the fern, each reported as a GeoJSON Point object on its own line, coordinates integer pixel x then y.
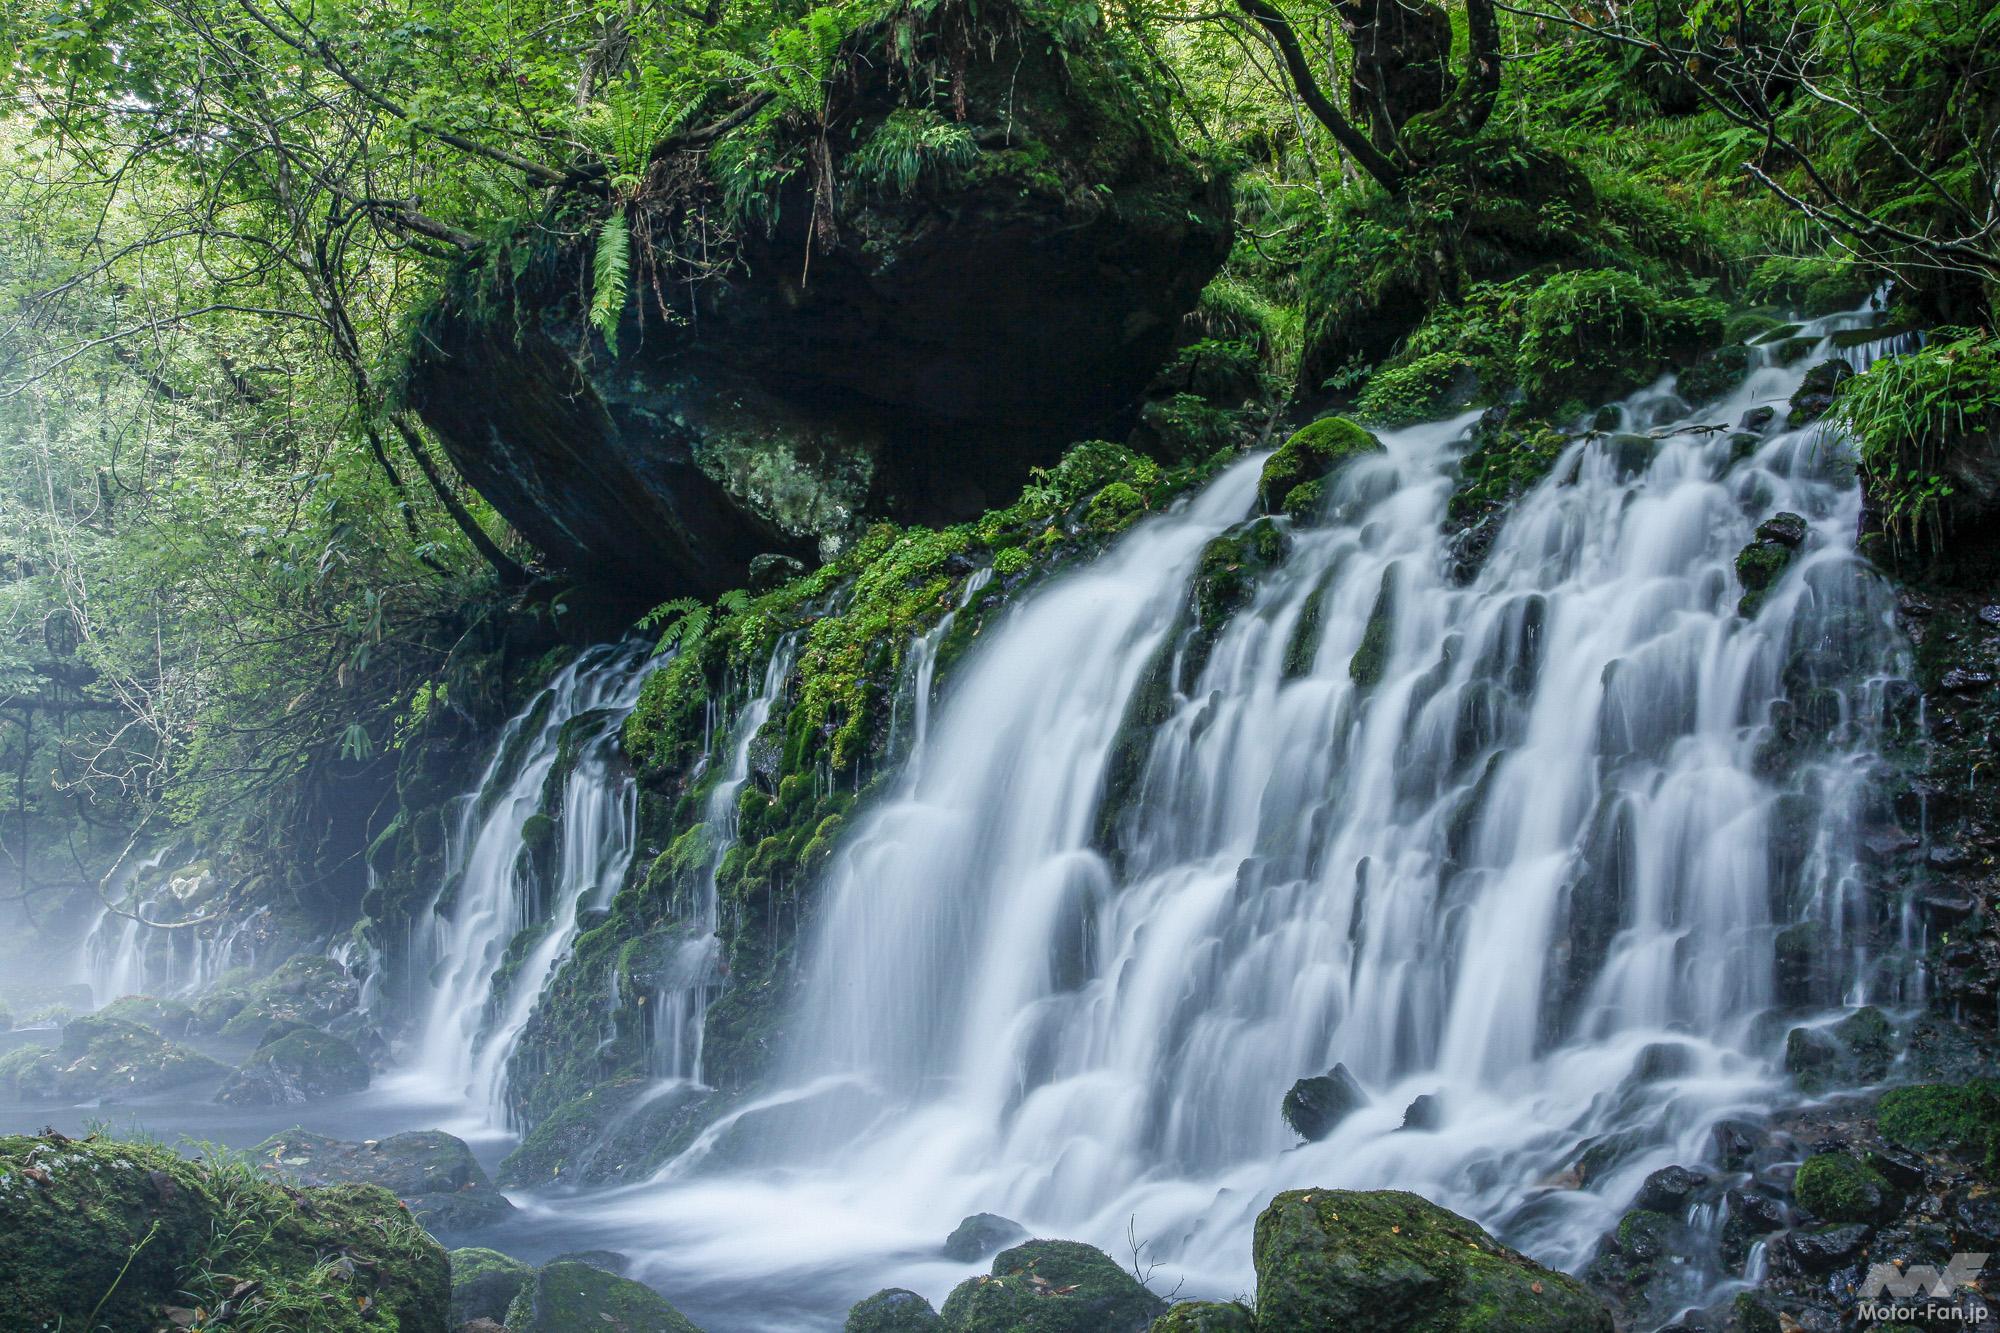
{"type": "Point", "coordinates": [911, 142]}
{"type": "Point", "coordinates": [684, 620]}
{"type": "Point", "coordinates": [610, 275]}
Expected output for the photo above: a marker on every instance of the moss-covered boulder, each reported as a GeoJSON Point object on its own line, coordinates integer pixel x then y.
{"type": "Point", "coordinates": [169, 1018]}
{"type": "Point", "coordinates": [1309, 455]}
{"type": "Point", "coordinates": [1393, 1262]}
{"type": "Point", "coordinates": [580, 1298]}
{"type": "Point", "coordinates": [107, 1235]}
{"type": "Point", "coordinates": [619, 1131]}
{"type": "Point", "coordinates": [103, 1058]}
{"type": "Point", "coordinates": [301, 1066]}
{"type": "Point", "coordinates": [982, 1234]}
{"type": "Point", "coordinates": [1590, 335]}
{"type": "Point", "coordinates": [310, 989]}
{"type": "Point", "coordinates": [1816, 391]}
{"type": "Point", "coordinates": [1206, 1317]}
{"type": "Point", "coordinates": [1958, 1118]}
{"type": "Point", "coordinates": [431, 1171]}
{"type": "Point", "coordinates": [1315, 1106]}
{"type": "Point", "coordinates": [1052, 1286]}
{"type": "Point", "coordinates": [1016, 294]}
{"type": "Point", "coordinates": [893, 1311]}
{"type": "Point", "coordinates": [1837, 1188]}
{"type": "Point", "coordinates": [484, 1284]}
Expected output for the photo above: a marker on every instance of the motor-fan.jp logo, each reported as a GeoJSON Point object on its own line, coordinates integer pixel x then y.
{"type": "Point", "coordinates": [1890, 1293]}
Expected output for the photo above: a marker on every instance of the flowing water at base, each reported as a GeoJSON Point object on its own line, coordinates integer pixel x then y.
{"type": "Point", "coordinates": [1515, 845]}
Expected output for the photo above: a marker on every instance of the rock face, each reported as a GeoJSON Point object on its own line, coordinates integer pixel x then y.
{"type": "Point", "coordinates": [945, 335]}
{"type": "Point", "coordinates": [101, 1234]}
{"type": "Point", "coordinates": [484, 1283]}
{"type": "Point", "coordinates": [429, 1170]}
{"type": "Point", "coordinates": [1052, 1286]}
{"type": "Point", "coordinates": [980, 1235]}
{"type": "Point", "coordinates": [893, 1311]}
{"type": "Point", "coordinates": [1396, 1263]}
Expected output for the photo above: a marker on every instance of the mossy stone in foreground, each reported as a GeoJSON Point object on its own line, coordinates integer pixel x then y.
{"type": "Point", "coordinates": [1838, 1188]}
{"type": "Point", "coordinates": [1393, 1262]}
{"type": "Point", "coordinates": [577, 1298]}
{"type": "Point", "coordinates": [1309, 455]}
{"type": "Point", "coordinates": [484, 1283]}
{"type": "Point", "coordinates": [1052, 1286]}
{"type": "Point", "coordinates": [1206, 1317]}
{"type": "Point", "coordinates": [893, 1311]}
{"type": "Point", "coordinates": [1961, 1118]}
{"type": "Point", "coordinates": [103, 1234]}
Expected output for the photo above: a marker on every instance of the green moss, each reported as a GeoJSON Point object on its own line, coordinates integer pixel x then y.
{"type": "Point", "coordinates": [1837, 1188]}
{"type": "Point", "coordinates": [302, 1065]}
{"type": "Point", "coordinates": [1371, 660]}
{"type": "Point", "coordinates": [1114, 508]}
{"type": "Point", "coordinates": [893, 1311]}
{"type": "Point", "coordinates": [103, 1234]}
{"type": "Point", "coordinates": [1052, 1286]}
{"type": "Point", "coordinates": [103, 1057]}
{"type": "Point", "coordinates": [1206, 1317]}
{"type": "Point", "coordinates": [1812, 285]}
{"type": "Point", "coordinates": [1960, 1118]}
{"type": "Point", "coordinates": [484, 1283]}
{"type": "Point", "coordinates": [577, 1298]}
{"type": "Point", "coordinates": [1506, 458]}
{"type": "Point", "coordinates": [1309, 455]}
{"type": "Point", "coordinates": [1418, 390]}
{"type": "Point", "coordinates": [1594, 333]}
{"type": "Point", "coordinates": [1008, 563]}
{"type": "Point", "coordinates": [1388, 1259]}
{"type": "Point", "coordinates": [307, 988]}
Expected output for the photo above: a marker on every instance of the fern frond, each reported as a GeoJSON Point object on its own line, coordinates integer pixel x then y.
{"type": "Point", "coordinates": [610, 275]}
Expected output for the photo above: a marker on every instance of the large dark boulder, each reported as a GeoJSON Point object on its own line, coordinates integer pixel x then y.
{"type": "Point", "coordinates": [1052, 1286]}
{"type": "Point", "coordinates": [102, 1058]}
{"type": "Point", "coordinates": [930, 342]}
{"type": "Point", "coordinates": [300, 1066]}
{"type": "Point", "coordinates": [1394, 1262]}
{"type": "Point", "coordinates": [577, 1298]}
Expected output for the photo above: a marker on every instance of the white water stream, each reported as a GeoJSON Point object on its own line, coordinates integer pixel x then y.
{"type": "Point", "coordinates": [1534, 872]}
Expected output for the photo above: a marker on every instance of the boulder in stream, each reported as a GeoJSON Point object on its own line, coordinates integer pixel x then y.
{"type": "Point", "coordinates": [893, 1311]}
{"type": "Point", "coordinates": [1394, 1262]}
{"type": "Point", "coordinates": [579, 1298]}
{"type": "Point", "coordinates": [431, 1171]}
{"type": "Point", "coordinates": [982, 1234]}
{"type": "Point", "coordinates": [1052, 1286]}
{"type": "Point", "coordinates": [301, 1066]}
{"type": "Point", "coordinates": [102, 1058]}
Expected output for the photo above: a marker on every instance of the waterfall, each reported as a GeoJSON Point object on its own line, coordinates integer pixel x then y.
{"type": "Point", "coordinates": [121, 955]}
{"type": "Point", "coordinates": [1523, 878]}
{"type": "Point", "coordinates": [681, 1004]}
{"type": "Point", "coordinates": [506, 912]}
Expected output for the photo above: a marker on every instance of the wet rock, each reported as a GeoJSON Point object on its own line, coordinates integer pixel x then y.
{"type": "Point", "coordinates": [1804, 976]}
{"type": "Point", "coordinates": [1758, 419]}
{"type": "Point", "coordinates": [1826, 1248]}
{"type": "Point", "coordinates": [299, 1067]}
{"type": "Point", "coordinates": [1315, 1106]}
{"type": "Point", "coordinates": [106, 1235]}
{"type": "Point", "coordinates": [893, 1311]}
{"type": "Point", "coordinates": [1052, 1286]}
{"type": "Point", "coordinates": [771, 571]}
{"type": "Point", "coordinates": [577, 1298]}
{"type": "Point", "coordinates": [783, 409]}
{"type": "Point", "coordinates": [1958, 680]}
{"type": "Point", "coordinates": [1425, 1112]}
{"type": "Point", "coordinates": [1670, 1189]}
{"type": "Point", "coordinates": [1206, 1317]}
{"type": "Point", "coordinates": [102, 1058]}
{"type": "Point", "coordinates": [980, 1235]}
{"type": "Point", "coordinates": [169, 1018]}
{"type": "Point", "coordinates": [1835, 1187]}
{"type": "Point", "coordinates": [484, 1283]}
{"type": "Point", "coordinates": [609, 1261]}
{"type": "Point", "coordinates": [1764, 561]}
{"type": "Point", "coordinates": [1737, 1142]}
{"type": "Point", "coordinates": [1749, 1218]}
{"type": "Point", "coordinates": [1629, 455]}
{"type": "Point", "coordinates": [1713, 375]}
{"type": "Point", "coordinates": [1663, 1060]}
{"type": "Point", "coordinates": [615, 1132]}
{"type": "Point", "coordinates": [1393, 1262]}
{"type": "Point", "coordinates": [1309, 455]}
{"type": "Point", "coordinates": [309, 988]}
{"type": "Point", "coordinates": [431, 1171]}
{"type": "Point", "coordinates": [1815, 392]}
{"type": "Point", "coordinates": [1856, 1050]}
{"type": "Point", "coordinates": [1785, 529]}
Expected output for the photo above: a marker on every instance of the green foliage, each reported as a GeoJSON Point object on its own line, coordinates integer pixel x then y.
{"type": "Point", "coordinates": [1414, 391]}
{"type": "Point", "coordinates": [1911, 415]}
{"type": "Point", "coordinates": [1597, 331]}
{"type": "Point", "coordinates": [912, 144]}
{"type": "Point", "coordinates": [609, 277]}
{"type": "Point", "coordinates": [1313, 451]}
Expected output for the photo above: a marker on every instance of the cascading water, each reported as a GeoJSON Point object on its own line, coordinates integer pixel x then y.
{"type": "Point", "coordinates": [1524, 859]}
{"type": "Point", "coordinates": [487, 977]}
{"type": "Point", "coordinates": [122, 955]}
{"type": "Point", "coordinates": [691, 975]}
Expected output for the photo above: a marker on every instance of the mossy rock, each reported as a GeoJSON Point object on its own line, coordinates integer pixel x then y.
{"type": "Point", "coordinates": [1837, 1188]}
{"type": "Point", "coordinates": [1114, 508]}
{"type": "Point", "coordinates": [484, 1283]}
{"type": "Point", "coordinates": [431, 1171]}
{"type": "Point", "coordinates": [893, 1311]}
{"type": "Point", "coordinates": [611, 1133]}
{"type": "Point", "coordinates": [309, 989]}
{"type": "Point", "coordinates": [1371, 658]}
{"type": "Point", "coordinates": [103, 1234]}
{"type": "Point", "coordinates": [581, 1298]}
{"type": "Point", "coordinates": [1714, 374]}
{"type": "Point", "coordinates": [1393, 1262]}
{"type": "Point", "coordinates": [1309, 455]}
{"type": "Point", "coordinates": [302, 1065]}
{"type": "Point", "coordinates": [1592, 334]}
{"type": "Point", "coordinates": [1052, 1286]}
{"type": "Point", "coordinates": [1206, 1317]}
{"type": "Point", "coordinates": [169, 1018]}
{"type": "Point", "coordinates": [103, 1058]}
{"type": "Point", "coordinates": [1959, 1118]}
